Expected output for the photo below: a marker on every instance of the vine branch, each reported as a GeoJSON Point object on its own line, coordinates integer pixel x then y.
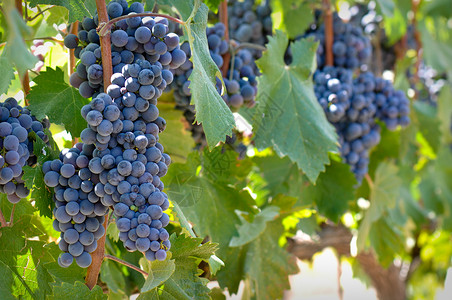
{"type": "Point", "coordinates": [329, 34]}
{"type": "Point", "coordinates": [123, 262]}
{"type": "Point", "coordinates": [223, 11]}
{"type": "Point", "coordinates": [105, 26]}
{"type": "Point", "coordinates": [98, 256]}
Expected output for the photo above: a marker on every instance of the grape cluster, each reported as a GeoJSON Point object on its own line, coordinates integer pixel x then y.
{"type": "Point", "coordinates": [250, 23]}
{"type": "Point", "coordinates": [79, 210]}
{"type": "Point", "coordinates": [16, 123]}
{"type": "Point", "coordinates": [132, 39]}
{"type": "Point", "coordinates": [124, 125]}
{"type": "Point", "coordinates": [351, 48]}
{"type": "Point", "coordinates": [240, 82]}
{"type": "Point", "coordinates": [353, 106]}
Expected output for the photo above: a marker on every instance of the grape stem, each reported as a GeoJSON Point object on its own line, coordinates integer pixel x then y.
{"type": "Point", "coordinates": [2, 219]}
{"type": "Point", "coordinates": [105, 26]}
{"type": "Point", "coordinates": [123, 262]}
{"type": "Point", "coordinates": [329, 34]}
{"type": "Point", "coordinates": [223, 11]}
{"type": "Point", "coordinates": [249, 46]}
{"type": "Point", "coordinates": [29, 19]}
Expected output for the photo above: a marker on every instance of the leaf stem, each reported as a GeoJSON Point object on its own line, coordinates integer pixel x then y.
{"type": "Point", "coordinates": [104, 27]}
{"type": "Point", "coordinates": [250, 46]}
{"type": "Point", "coordinates": [369, 180]}
{"type": "Point", "coordinates": [223, 12]}
{"type": "Point", "coordinates": [329, 34]}
{"type": "Point", "coordinates": [2, 219]}
{"type": "Point", "coordinates": [183, 220]}
{"type": "Point", "coordinates": [11, 217]}
{"type": "Point", "coordinates": [29, 19]}
{"type": "Point", "coordinates": [123, 262]}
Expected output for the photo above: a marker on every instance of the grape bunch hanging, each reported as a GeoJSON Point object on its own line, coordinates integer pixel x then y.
{"type": "Point", "coordinates": [17, 144]}
{"type": "Point", "coordinates": [120, 162]}
{"type": "Point", "coordinates": [132, 39]}
{"type": "Point", "coordinates": [354, 105]}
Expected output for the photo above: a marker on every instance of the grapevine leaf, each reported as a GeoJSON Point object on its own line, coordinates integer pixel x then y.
{"type": "Point", "coordinates": [184, 282]}
{"type": "Point", "coordinates": [444, 114]}
{"type": "Point", "coordinates": [16, 51]}
{"type": "Point", "coordinates": [211, 110]}
{"type": "Point", "coordinates": [332, 191]}
{"type": "Point", "coordinates": [112, 276]}
{"type": "Point", "coordinates": [7, 73]}
{"type": "Point", "coordinates": [395, 23]}
{"type": "Point", "coordinates": [159, 272]}
{"type": "Point", "coordinates": [268, 274]}
{"type": "Point", "coordinates": [149, 5]}
{"type": "Point", "coordinates": [77, 291]}
{"type": "Point", "coordinates": [213, 4]}
{"type": "Point", "coordinates": [70, 274]}
{"type": "Point", "coordinates": [23, 261]}
{"type": "Point", "coordinates": [292, 17]}
{"type": "Point", "coordinates": [113, 232]}
{"type": "Point", "coordinates": [250, 231]}
{"type": "Point", "coordinates": [34, 177]}
{"type": "Point", "coordinates": [78, 9]}
{"type": "Point", "coordinates": [54, 98]}
{"type": "Point", "coordinates": [428, 123]}
{"type": "Point", "coordinates": [204, 200]}
{"type": "Point", "coordinates": [387, 7]}
{"type": "Point", "coordinates": [383, 195]}
{"type": "Point", "coordinates": [178, 141]}
{"type": "Point", "coordinates": [437, 53]}
{"type": "Point", "coordinates": [288, 116]}
{"type": "Point", "coordinates": [436, 186]}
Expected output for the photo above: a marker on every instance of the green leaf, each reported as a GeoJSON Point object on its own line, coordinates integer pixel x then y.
{"type": "Point", "coordinates": [61, 103]}
{"type": "Point", "coordinates": [22, 260]}
{"type": "Point", "coordinates": [288, 116]}
{"type": "Point", "coordinates": [70, 274]}
{"type": "Point", "coordinates": [332, 191]}
{"type": "Point", "coordinates": [78, 9]}
{"type": "Point", "coordinates": [111, 274]}
{"type": "Point", "coordinates": [383, 196]}
{"type": "Point", "coordinates": [178, 141]}
{"type": "Point", "coordinates": [436, 185]}
{"type": "Point", "coordinates": [250, 231]}
{"type": "Point", "coordinates": [159, 272]}
{"type": "Point", "coordinates": [184, 282]}
{"type": "Point", "coordinates": [428, 123]}
{"type": "Point", "coordinates": [436, 52]}
{"type": "Point", "coordinates": [445, 114]}
{"type": "Point", "coordinates": [395, 23]}
{"type": "Point", "coordinates": [210, 201]}
{"type": "Point", "coordinates": [268, 265]}
{"type": "Point", "coordinates": [34, 176]}
{"type": "Point", "coordinates": [77, 291]}
{"type": "Point", "coordinates": [16, 51]}
{"type": "Point", "coordinates": [113, 232]}
{"type": "Point", "coordinates": [387, 7]}
{"type": "Point", "coordinates": [7, 73]}
{"type": "Point", "coordinates": [213, 4]}
{"type": "Point", "coordinates": [292, 17]}
{"type": "Point", "coordinates": [211, 110]}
